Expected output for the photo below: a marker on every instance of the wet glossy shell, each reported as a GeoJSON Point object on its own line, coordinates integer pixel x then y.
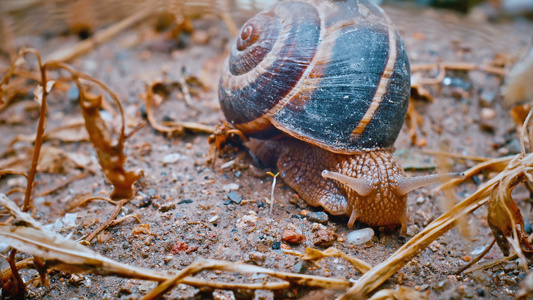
{"type": "Point", "coordinates": [332, 73]}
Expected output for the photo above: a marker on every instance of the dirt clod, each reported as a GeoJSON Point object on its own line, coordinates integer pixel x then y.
{"type": "Point", "coordinates": [178, 247]}
{"type": "Point", "coordinates": [324, 238]}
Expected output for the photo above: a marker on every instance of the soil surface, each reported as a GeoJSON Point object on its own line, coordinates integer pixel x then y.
{"type": "Point", "coordinates": [194, 210]}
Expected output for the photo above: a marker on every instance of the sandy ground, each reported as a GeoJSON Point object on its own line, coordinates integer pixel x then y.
{"type": "Point", "coordinates": [197, 211]}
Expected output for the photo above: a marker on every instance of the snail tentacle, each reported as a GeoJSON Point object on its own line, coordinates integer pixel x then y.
{"type": "Point", "coordinates": [407, 184]}
{"type": "Point", "coordinates": [362, 186]}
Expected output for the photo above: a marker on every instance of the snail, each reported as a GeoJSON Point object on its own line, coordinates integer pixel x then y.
{"type": "Point", "coordinates": [323, 87]}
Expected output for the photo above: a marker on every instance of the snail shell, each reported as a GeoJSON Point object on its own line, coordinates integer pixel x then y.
{"type": "Point", "coordinates": [327, 82]}
{"type": "Point", "coordinates": [331, 73]}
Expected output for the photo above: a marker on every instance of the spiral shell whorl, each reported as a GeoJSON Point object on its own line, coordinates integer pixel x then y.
{"type": "Point", "coordinates": [332, 73]}
{"type": "Point", "coordinates": [260, 74]}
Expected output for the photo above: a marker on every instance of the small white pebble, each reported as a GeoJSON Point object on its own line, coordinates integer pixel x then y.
{"type": "Point", "coordinates": [172, 158]}
{"type": "Point", "coordinates": [360, 236]}
{"type": "Point", "coordinates": [213, 219]}
{"type": "Point", "coordinates": [488, 113]}
{"type": "Point", "coordinates": [412, 230]}
{"type": "Point", "coordinates": [230, 187]}
{"type": "Point", "coordinates": [477, 250]}
{"type": "Point", "coordinates": [420, 199]}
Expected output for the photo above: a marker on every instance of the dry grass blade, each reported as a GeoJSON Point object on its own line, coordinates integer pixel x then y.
{"type": "Point", "coordinates": [492, 263]}
{"type": "Point", "coordinates": [497, 164]}
{"type": "Point", "coordinates": [19, 215]}
{"type": "Point", "coordinates": [196, 267]}
{"type": "Point", "coordinates": [313, 254]}
{"type": "Point", "coordinates": [107, 223]}
{"type": "Point", "coordinates": [68, 255]}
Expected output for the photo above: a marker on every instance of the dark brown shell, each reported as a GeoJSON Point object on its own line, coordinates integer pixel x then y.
{"type": "Point", "coordinates": [332, 73]}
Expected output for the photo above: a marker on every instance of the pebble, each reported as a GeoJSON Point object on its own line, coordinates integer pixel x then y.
{"type": "Point", "coordinates": [324, 238]}
{"type": "Point", "coordinates": [168, 258]}
{"type": "Point", "coordinates": [76, 279]}
{"type": "Point", "coordinates": [257, 258]}
{"type": "Point", "coordinates": [361, 236]}
{"type": "Point", "coordinates": [230, 187]}
{"type": "Point", "coordinates": [172, 158]}
{"type": "Point", "coordinates": [214, 219]}
{"type": "Point", "coordinates": [166, 207]}
{"type": "Point", "coordinates": [185, 201]}
{"type": "Point", "coordinates": [318, 217]}
{"type": "Point", "coordinates": [488, 113]}
{"type": "Point", "coordinates": [412, 230]}
{"type": "Point", "coordinates": [477, 251]}
{"type": "Point", "coordinates": [291, 236]}
{"type": "Point", "coordinates": [420, 199]}
{"type": "Point", "coordinates": [487, 98]}
{"type": "Point", "coordinates": [276, 245]}
{"type": "Point", "coordinates": [513, 146]}
{"type": "Point", "coordinates": [299, 268]}
{"type": "Point", "coordinates": [234, 197]}
{"type": "Point", "coordinates": [145, 202]}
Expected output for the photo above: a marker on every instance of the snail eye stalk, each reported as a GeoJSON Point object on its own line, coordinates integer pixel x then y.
{"type": "Point", "coordinates": [407, 184]}
{"type": "Point", "coordinates": [361, 186]}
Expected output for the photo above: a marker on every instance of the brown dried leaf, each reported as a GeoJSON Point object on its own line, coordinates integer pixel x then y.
{"type": "Point", "coordinates": [506, 222]}
{"type": "Point", "coordinates": [110, 153]}
{"type": "Point", "coordinates": [519, 113]}
{"type": "Point", "coordinates": [13, 209]}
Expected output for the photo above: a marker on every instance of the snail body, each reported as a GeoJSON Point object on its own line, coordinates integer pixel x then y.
{"type": "Point", "coordinates": [325, 86]}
